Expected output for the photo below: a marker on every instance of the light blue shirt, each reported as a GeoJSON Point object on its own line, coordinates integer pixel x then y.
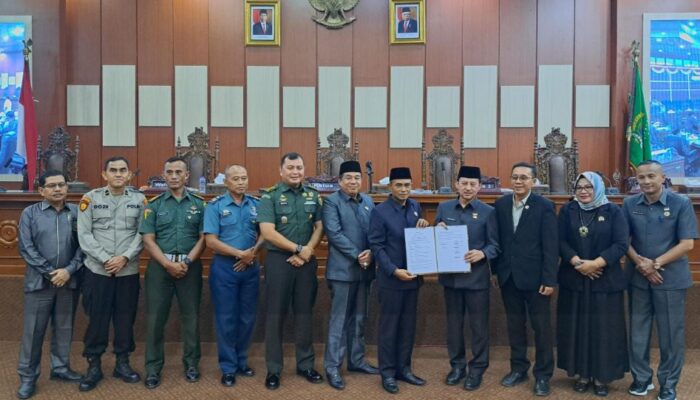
{"type": "Point", "coordinates": [234, 224]}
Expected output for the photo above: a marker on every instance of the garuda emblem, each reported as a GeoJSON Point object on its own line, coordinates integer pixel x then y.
{"type": "Point", "coordinates": [333, 12]}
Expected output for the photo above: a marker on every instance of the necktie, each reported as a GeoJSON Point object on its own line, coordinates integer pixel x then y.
{"type": "Point", "coordinates": [405, 26]}
{"type": "Point", "coordinates": [264, 28]}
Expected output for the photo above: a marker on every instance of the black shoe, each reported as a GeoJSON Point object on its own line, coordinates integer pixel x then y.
{"type": "Point", "coordinates": [68, 375]}
{"type": "Point", "coordinates": [272, 381]}
{"type": "Point", "coordinates": [152, 381]}
{"type": "Point", "coordinates": [455, 376]}
{"type": "Point", "coordinates": [123, 370]}
{"type": "Point", "coordinates": [541, 387]}
{"type": "Point", "coordinates": [246, 371]}
{"type": "Point", "coordinates": [602, 390]}
{"type": "Point", "coordinates": [514, 378]}
{"type": "Point", "coordinates": [311, 375]}
{"type": "Point", "coordinates": [389, 384]}
{"type": "Point", "coordinates": [473, 382]}
{"type": "Point", "coordinates": [335, 380]}
{"type": "Point", "coordinates": [93, 375]}
{"type": "Point", "coordinates": [228, 379]}
{"type": "Point", "coordinates": [192, 374]}
{"type": "Point", "coordinates": [26, 389]}
{"type": "Point", "coordinates": [667, 394]}
{"type": "Point", "coordinates": [365, 368]}
{"type": "Point", "coordinates": [408, 377]}
{"type": "Point", "coordinates": [581, 386]}
{"type": "Point", "coordinates": [638, 388]}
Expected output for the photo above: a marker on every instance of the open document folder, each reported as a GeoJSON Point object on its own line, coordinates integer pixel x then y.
{"type": "Point", "coordinates": [437, 250]}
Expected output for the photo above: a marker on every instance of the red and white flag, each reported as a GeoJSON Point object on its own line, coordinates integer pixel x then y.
{"type": "Point", "coordinates": [27, 134]}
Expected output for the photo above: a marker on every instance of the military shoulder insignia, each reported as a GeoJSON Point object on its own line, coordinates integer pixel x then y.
{"type": "Point", "coordinates": [269, 189]}
{"type": "Point", "coordinates": [84, 203]}
{"type": "Point", "coordinates": [265, 196]}
{"type": "Point", "coordinates": [215, 199]}
{"type": "Point", "coordinates": [154, 198]}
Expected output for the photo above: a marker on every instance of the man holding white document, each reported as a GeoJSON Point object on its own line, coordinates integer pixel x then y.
{"type": "Point", "coordinates": [398, 288]}
{"type": "Point", "coordinates": [468, 293]}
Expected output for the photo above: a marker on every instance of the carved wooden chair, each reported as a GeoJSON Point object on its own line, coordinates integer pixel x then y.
{"type": "Point", "coordinates": [58, 155]}
{"type": "Point", "coordinates": [200, 160]}
{"type": "Point", "coordinates": [328, 159]}
{"type": "Point", "coordinates": [557, 165]}
{"type": "Point", "coordinates": [442, 163]}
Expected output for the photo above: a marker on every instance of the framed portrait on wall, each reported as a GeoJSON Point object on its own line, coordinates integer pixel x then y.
{"type": "Point", "coordinates": [262, 23]}
{"type": "Point", "coordinates": [671, 75]}
{"type": "Point", "coordinates": [14, 30]}
{"type": "Point", "coordinates": [406, 21]}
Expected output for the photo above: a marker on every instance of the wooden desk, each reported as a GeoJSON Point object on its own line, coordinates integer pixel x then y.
{"type": "Point", "coordinates": [12, 204]}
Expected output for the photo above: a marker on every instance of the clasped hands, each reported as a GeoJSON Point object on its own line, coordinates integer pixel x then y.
{"type": "Point", "coordinates": [590, 268]}
{"type": "Point", "coordinates": [304, 256]}
{"type": "Point", "coordinates": [647, 269]}
{"type": "Point", "coordinates": [245, 259]}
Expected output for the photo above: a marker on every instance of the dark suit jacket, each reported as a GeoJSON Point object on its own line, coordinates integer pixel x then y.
{"type": "Point", "coordinates": [608, 236]}
{"type": "Point", "coordinates": [480, 220]}
{"type": "Point", "coordinates": [386, 239]}
{"type": "Point", "coordinates": [257, 29]}
{"type": "Point", "coordinates": [530, 254]}
{"type": "Point", "coordinates": [347, 232]}
{"type": "Point", "coordinates": [412, 26]}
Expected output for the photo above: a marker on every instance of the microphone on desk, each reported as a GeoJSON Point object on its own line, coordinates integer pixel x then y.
{"type": "Point", "coordinates": [369, 172]}
{"type": "Point", "coordinates": [368, 165]}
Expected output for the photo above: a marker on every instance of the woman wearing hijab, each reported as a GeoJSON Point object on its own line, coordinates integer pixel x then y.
{"type": "Point", "coordinates": [591, 333]}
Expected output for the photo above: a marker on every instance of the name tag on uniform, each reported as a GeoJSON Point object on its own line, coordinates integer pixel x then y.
{"type": "Point", "coordinates": [451, 219]}
{"type": "Point", "coordinates": [100, 206]}
{"type": "Point", "coordinates": [226, 213]}
{"type": "Point", "coordinates": [162, 213]}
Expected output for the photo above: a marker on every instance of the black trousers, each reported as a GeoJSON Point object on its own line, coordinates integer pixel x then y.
{"type": "Point", "coordinates": [458, 304]}
{"type": "Point", "coordinates": [519, 304]}
{"type": "Point", "coordinates": [109, 299]}
{"type": "Point", "coordinates": [288, 285]}
{"type": "Point", "coordinates": [397, 330]}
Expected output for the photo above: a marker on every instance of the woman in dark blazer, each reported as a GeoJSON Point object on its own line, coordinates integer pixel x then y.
{"type": "Point", "coordinates": [591, 333]}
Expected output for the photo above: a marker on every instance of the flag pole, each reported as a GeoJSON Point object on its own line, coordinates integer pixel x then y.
{"type": "Point", "coordinates": [634, 53]}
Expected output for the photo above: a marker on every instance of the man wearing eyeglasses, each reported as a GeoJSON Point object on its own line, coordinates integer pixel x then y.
{"type": "Point", "coordinates": [48, 243]}
{"type": "Point", "coordinates": [527, 274]}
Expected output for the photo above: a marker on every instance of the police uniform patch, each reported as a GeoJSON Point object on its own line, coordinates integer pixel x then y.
{"type": "Point", "coordinates": [84, 203]}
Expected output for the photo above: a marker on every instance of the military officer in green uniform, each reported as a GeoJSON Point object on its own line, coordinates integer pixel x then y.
{"type": "Point", "coordinates": [172, 234]}
{"type": "Point", "coordinates": [289, 216]}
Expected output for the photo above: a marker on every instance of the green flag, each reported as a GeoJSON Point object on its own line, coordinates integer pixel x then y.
{"type": "Point", "coordinates": [638, 125]}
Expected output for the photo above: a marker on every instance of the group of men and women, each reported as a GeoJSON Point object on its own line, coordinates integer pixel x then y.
{"type": "Point", "coordinates": [518, 245]}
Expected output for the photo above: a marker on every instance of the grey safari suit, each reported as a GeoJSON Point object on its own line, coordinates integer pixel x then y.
{"type": "Point", "coordinates": [346, 224]}
{"type": "Point", "coordinates": [47, 241]}
{"type": "Point", "coordinates": [108, 227]}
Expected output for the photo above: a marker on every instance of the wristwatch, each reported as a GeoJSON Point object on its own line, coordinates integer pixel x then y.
{"type": "Point", "coordinates": [187, 261]}
{"type": "Point", "coordinates": [657, 265]}
{"type": "Point", "coordinates": [299, 249]}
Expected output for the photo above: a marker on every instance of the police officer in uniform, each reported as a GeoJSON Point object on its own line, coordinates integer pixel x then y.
{"type": "Point", "coordinates": [172, 234]}
{"type": "Point", "coordinates": [290, 223]}
{"type": "Point", "coordinates": [468, 293]}
{"type": "Point", "coordinates": [108, 224]}
{"type": "Point", "coordinates": [398, 288]}
{"type": "Point", "coordinates": [231, 230]}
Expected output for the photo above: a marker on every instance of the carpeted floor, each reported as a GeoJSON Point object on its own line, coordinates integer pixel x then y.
{"type": "Point", "coordinates": [430, 362]}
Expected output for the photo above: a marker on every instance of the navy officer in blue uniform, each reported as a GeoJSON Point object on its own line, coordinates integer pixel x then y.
{"type": "Point", "coordinates": [398, 288]}
{"type": "Point", "coordinates": [231, 230]}
{"type": "Point", "coordinates": [468, 293]}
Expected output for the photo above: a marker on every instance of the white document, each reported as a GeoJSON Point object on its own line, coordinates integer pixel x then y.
{"type": "Point", "coordinates": [437, 250]}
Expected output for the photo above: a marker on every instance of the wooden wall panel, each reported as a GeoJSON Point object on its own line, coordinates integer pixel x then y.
{"type": "Point", "coordinates": [555, 32]}
{"type": "Point", "coordinates": [517, 66]}
{"type": "Point", "coordinates": [85, 68]}
{"type": "Point", "coordinates": [480, 46]}
{"type": "Point", "coordinates": [332, 45]}
{"type": "Point", "coordinates": [371, 45]}
{"type": "Point", "coordinates": [191, 32]}
{"type": "Point", "coordinates": [119, 30]}
{"type": "Point", "coordinates": [155, 48]}
{"type": "Point", "coordinates": [591, 67]}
